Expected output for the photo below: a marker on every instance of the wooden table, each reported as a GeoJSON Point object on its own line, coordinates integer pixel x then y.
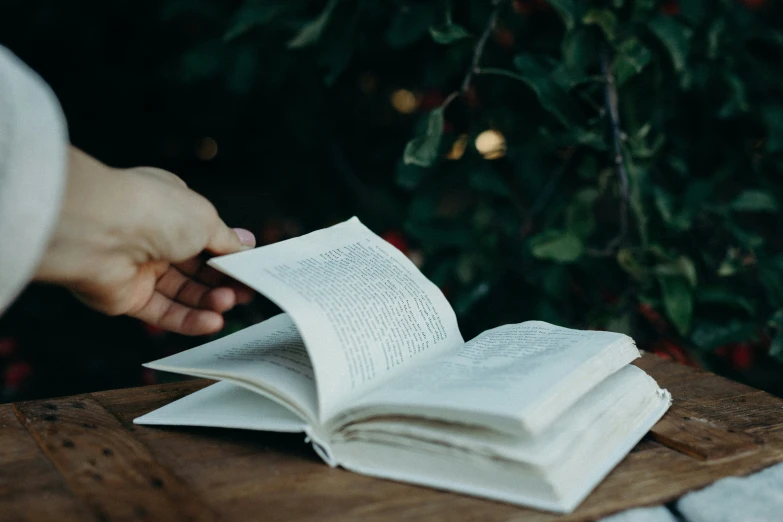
{"type": "Point", "coordinates": [81, 458]}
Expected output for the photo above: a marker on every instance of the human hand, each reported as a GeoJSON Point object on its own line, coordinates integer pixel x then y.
{"type": "Point", "coordinates": [131, 241]}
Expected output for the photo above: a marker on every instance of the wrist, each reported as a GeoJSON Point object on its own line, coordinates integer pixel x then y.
{"type": "Point", "coordinates": [83, 235]}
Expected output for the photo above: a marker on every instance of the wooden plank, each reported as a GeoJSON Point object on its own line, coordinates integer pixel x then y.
{"type": "Point", "coordinates": [105, 466]}
{"type": "Point", "coordinates": [249, 475]}
{"type": "Point", "coordinates": [30, 486]}
{"type": "Point", "coordinates": [688, 432]}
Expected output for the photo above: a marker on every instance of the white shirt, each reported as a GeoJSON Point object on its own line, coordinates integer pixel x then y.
{"type": "Point", "coordinates": [33, 162]}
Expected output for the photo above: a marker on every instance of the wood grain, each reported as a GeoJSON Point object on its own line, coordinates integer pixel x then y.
{"type": "Point", "coordinates": [111, 471]}
{"type": "Point", "coordinates": [686, 431]}
{"type": "Point", "coordinates": [30, 486]}
{"type": "Point", "coordinates": [242, 475]}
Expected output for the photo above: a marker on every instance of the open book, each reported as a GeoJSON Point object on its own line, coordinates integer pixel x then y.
{"type": "Point", "coordinates": [369, 363]}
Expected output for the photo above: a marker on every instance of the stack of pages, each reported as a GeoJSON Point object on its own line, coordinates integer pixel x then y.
{"type": "Point", "coordinates": [368, 362]}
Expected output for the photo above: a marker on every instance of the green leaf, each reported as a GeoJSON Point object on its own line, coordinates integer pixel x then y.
{"type": "Point", "coordinates": [707, 335]}
{"type": "Point", "coordinates": [665, 205]}
{"type": "Point", "coordinates": [715, 38]}
{"type": "Point", "coordinates": [776, 321]}
{"type": "Point", "coordinates": [675, 37]}
{"type": "Point", "coordinates": [410, 24]}
{"type": "Point", "coordinates": [681, 267]}
{"type": "Point", "coordinates": [773, 118]}
{"type": "Point", "coordinates": [628, 262]}
{"type": "Point", "coordinates": [578, 50]}
{"type": "Point", "coordinates": [254, 14]}
{"type": "Point", "coordinates": [771, 279]}
{"type": "Point", "coordinates": [580, 219]}
{"type": "Point", "coordinates": [677, 301]}
{"type": "Point", "coordinates": [737, 102]}
{"type": "Point", "coordinates": [336, 49]}
{"type": "Point", "coordinates": [631, 59]}
{"type": "Point", "coordinates": [410, 176]}
{"type": "Point", "coordinates": [776, 348]}
{"type": "Point", "coordinates": [695, 12]}
{"type": "Point", "coordinates": [310, 33]}
{"type": "Point", "coordinates": [723, 297]}
{"type": "Point", "coordinates": [604, 19]}
{"type": "Point", "coordinates": [747, 239]}
{"type": "Point", "coordinates": [554, 245]}
{"type": "Point", "coordinates": [755, 201]}
{"type": "Point", "coordinates": [242, 70]}
{"type": "Point", "coordinates": [643, 8]}
{"type": "Point", "coordinates": [551, 96]}
{"type": "Point", "coordinates": [567, 11]}
{"type": "Point", "coordinates": [448, 33]}
{"type": "Point", "coordinates": [467, 299]}
{"type": "Point", "coordinates": [423, 150]}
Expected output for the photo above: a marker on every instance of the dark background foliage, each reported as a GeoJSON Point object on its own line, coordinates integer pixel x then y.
{"type": "Point", "coordinates": [610, 165]}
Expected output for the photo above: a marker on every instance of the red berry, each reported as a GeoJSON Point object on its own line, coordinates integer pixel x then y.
{"type": "Point", "coordinates": [542, 5]}
{"type": "Point", "coordinates": [677, 353]}
{"type": "Point", "coordinates": [16, 373]}
{"type": "Point", "coordinates": [742, 356]}
{"type": "Point", "coordinates": [397, 240]}
{"type": "Point", "coordinates": [7, 346]}
{"type": "Point", "coordinates": [652, 316]}
{"type": "Point", "coordinates": [430, 100]}
{"type": "Point", "coordinates": [148, 376]}
{"type": "Point", "coordinates": [660, 353]}
{"type": "Point", "coordinates": [670, 7]}
{"type": "Point", "coordinates": [608, 297]}
{"type": "Point", "coordinates": [504, 38]}
{"type": "Point", "coordinates": [472, 98]}
{"type": "Point", "coordinates": [523, 7]}
{"type": "Point", "coordinates": [754, 4]}
{"type": "Point", "coordinates": [723, 351]}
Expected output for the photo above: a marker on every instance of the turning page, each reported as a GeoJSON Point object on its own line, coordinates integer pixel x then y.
{"type": "Point", "coordinates": [513, 377]}
{"type": "Point", "coordinates": [268, 358]}
{"type": "Point", "coordinates": [365, 312]}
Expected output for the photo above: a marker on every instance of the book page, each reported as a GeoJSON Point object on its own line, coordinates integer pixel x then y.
{"type": "Point", "coordinates": [225, 405]}
{"type": "Point", "coordinates": [365, 312]}
{"type": "Point", "coordinates": [525, 373]}
{"type": "Point", "coordinates": [268, 357]}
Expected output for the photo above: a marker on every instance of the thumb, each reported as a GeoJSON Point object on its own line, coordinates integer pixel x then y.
{"type": "Point", "coordinates": [226, 240]}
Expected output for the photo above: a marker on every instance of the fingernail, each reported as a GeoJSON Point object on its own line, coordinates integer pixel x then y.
{"type": "Point", "coordinates": [246, 237]}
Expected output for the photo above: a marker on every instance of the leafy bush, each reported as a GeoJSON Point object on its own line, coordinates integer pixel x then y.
{"type": "Point", "coordinates": [629, 164]}
{"type": "Point", "coordinates": [597, 164]}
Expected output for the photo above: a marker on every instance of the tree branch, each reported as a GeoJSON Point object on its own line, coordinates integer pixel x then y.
{"type": "Point", "coordinates": [479, 50]}
{"type": "Point", "coordinates": [611, 103]}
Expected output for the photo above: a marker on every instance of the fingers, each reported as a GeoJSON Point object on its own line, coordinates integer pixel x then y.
{"type": "Point", "coordinates": [182, 289]}
{"type": "Point", "coordinates": [164, 313]}
{"type": "Point", "coordinates": [183, 305]}
{"type": "Point", "coordinates": [246, 237]}
{"type": "Point", "coordinates": [225, 240]}
{"type": "Point", "coordinates": [198, 270]}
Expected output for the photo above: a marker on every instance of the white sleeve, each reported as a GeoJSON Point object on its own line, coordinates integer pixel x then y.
{"type": "Point", "coordinates": [33, 163]}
